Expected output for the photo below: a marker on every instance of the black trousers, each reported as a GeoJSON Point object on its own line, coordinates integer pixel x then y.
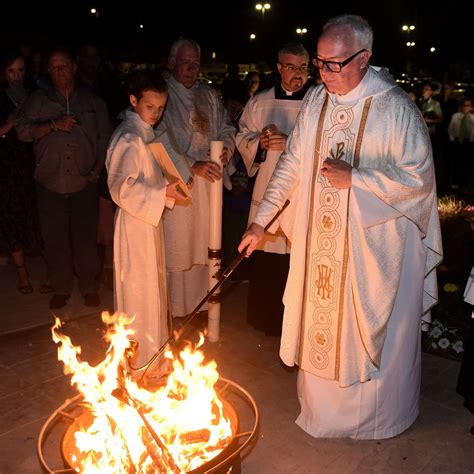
{"type": "Point", "coordinates": [69, 230]}
{"type": "Point", "coordinates": [267, 280]}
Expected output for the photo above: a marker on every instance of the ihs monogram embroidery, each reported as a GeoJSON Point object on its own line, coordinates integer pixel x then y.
{"type": "Point", "coordinates": [323, 283]}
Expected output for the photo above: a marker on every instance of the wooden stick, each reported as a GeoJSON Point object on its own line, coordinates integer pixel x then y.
{"type": "Point", "coordinates": [123, 395]}
{"type": "Point", "coordinates": [227, 272]}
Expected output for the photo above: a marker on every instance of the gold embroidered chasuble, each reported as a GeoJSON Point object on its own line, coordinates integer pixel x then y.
{"type": "Point", "coordinates": [349, 246]}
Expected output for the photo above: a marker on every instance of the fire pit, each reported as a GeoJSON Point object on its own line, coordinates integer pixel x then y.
{"type": "Point", "coordinates": [192, 422]}
{"type": "Point", "coordinates": [71, 416]}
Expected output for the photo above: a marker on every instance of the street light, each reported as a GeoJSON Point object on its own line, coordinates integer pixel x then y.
{"type": "Point", "coordinates": [301, 31]}
{"type": "Point", "coordinates": [409, 30]}
{"type": "Point", "coordinates": [252, 36]}
{"type": "Point", "coordinates": [263, 7]}
{"type": "Point", "coordinates": [432, 49]}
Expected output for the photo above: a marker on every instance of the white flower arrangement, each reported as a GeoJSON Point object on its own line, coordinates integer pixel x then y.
{"type": "Point", "coordinates": [444, 338]}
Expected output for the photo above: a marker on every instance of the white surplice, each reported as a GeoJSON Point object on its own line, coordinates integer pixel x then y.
{"type": "Point", "coordinates": [193, 118]}
{"type": "Point", "coordinates": [362, 264]}
{"type": "Point", "coordinates": [138, 187]}
{"type": "Point", "coordinates": [261, 110]}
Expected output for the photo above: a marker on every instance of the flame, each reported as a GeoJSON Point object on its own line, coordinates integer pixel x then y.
{"type": "Point", "coordinates": [186, 414]}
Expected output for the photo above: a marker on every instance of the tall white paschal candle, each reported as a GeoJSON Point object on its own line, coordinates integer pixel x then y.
{"type": "Point", "coordinates": [214, 256]}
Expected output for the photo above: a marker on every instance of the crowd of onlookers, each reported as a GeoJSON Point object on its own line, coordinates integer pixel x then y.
{"type": "Point", "coordinates": [65, 232]}
{"type": "Point", "coordinates": [26, 224]}
{"type": "Point", "coordinates": [448, 112]}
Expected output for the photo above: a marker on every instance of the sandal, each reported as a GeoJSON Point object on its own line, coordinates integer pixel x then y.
{"type": "Point", "coordinates": [24, 289]}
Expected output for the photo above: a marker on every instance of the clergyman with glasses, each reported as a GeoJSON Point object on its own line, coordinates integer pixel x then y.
{"type": "Point", "coordinates": [264, 126]}
{"type": "Point", "coordinates": [365, 242]}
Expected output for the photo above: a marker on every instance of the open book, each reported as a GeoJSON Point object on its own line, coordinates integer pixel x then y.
{"type": "Point", "coordinates": [169, 169]}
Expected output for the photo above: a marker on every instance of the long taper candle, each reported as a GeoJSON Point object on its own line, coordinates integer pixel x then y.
{"type": "Point", "coordinates": [214, 258]}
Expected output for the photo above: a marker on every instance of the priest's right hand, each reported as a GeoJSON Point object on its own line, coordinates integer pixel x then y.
{"type": "Point", "coordinates": [208, 170]}
{"type": "Point", "coordinates": [265, 135]}
{"type": "Point", "coordinates": [252, 236]}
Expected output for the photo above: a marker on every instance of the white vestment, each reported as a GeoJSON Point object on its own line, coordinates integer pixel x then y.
{"type": "Point", "coordinates": [138, 187]}
{"type": "Point", "coordinates": [362, 265]}
{"type": "Point", "coordinates": [261, 110]}
{"type": "Point", "coordinates": [193, 118]}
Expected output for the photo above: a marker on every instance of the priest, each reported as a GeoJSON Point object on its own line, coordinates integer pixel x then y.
{"type": "Point", "coordinates": [194, 116]}
{"type": "Point", "coordinates": [266, 122]}
{"type": "Point", "coordinates": [364, 228]}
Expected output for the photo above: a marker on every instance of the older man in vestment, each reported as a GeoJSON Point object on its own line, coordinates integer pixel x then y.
{"type": "Point", "coordinates": [266, 122]}
{"type": "Point", "coordinates": [365, 236]}
{"type": "Point", "coordinates": [194, 116]}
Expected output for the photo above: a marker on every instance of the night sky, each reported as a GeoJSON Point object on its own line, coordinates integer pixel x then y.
{"type": "Point", "coordinates": [448, 29]}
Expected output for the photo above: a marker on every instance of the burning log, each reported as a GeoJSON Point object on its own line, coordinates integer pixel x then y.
{"type": "Point", "coordinates": [197, 436]}
{"type": "Point", "coordinates": [127, 428]}
{"type": "Point", "coordinates": [125, 398]}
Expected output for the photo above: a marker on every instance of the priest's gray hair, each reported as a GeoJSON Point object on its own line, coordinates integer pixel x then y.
{"type": "Point", "coordinates": [296, 49]}
{"type": "Point", "coordinates": [178, 44]}
{"type": "Point", "coordinates": [363, 34]}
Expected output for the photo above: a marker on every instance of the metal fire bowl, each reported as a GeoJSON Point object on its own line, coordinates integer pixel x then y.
{"type": "Point", "coordinates": [82, 420]}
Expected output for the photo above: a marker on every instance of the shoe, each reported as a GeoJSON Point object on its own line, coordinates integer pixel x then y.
{"type": "Point", "coordinates": [58, 301]}
{"type": "Point", "coordinates": [92, 299]}
{"type": "Point", "coordinates": [45, 288]}
{"type": "Point", "coordinates": [24, 289]}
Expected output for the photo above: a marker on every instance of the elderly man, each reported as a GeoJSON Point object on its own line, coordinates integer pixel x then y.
{"type": "Point", "coordinates": [194, 116]}
{"type": "Point", "coordinates": [266, 122]}
{"type": "Point", "coordinates": [70, 128]}
{"type": "Point", "coordinates": [365, 237]}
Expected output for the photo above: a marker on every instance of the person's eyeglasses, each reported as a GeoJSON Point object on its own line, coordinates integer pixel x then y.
{"type": "Point", "coordinates": [289, 67]}
{"type": "Point", "coordinates": [334, 66]}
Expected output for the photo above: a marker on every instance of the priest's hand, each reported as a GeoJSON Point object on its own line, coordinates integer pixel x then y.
{"type": "Point", "coordinates": [265, 135]}
{"type": "Point", "coordinates": [252, 236]}
{"type": "Point", "coordinates": [338, 173]}
{"type": "Point", "coordinates": [225, 156]}
{"type": "Point", "coordinates": [277, 141]}
{"type": "Point", "coordinates": [207, 170]}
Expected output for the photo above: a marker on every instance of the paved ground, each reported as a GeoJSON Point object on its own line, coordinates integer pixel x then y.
{"type": "Point", "coordinates": [33, 386]}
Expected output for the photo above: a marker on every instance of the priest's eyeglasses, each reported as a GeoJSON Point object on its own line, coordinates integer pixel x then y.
{"type": "Point", "coordinates": [335, 66]}
{"type": "Point", "coordinates": [289, 67]}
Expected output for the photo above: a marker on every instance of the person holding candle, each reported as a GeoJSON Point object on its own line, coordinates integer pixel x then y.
{"type": "Point", "coordinates": [194, 116]}
{"type": "Point", "coordinates": [70, 129]}
{"type": "Point", "coordinates": [364, 228]}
